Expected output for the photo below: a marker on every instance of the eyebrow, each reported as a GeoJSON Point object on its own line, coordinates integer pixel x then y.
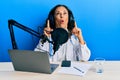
{"type": "Point", "coordinates": [63, 11]}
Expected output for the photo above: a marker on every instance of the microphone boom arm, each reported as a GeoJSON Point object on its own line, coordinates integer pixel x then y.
{"type": "Point", "coordinates": [29, 30]}
{"type": "Point", "coordinates": [59, 35]}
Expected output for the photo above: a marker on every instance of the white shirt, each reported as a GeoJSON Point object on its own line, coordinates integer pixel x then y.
{"type": "Point", "coordinates": [71, 50]}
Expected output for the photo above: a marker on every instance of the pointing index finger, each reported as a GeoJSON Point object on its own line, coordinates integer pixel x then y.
{"type": "Point", "coordinates": [75, 24]}
{"type": "Point", "coordinates": [48, 24]}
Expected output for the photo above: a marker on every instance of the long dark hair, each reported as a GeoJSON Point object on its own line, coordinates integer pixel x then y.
{"type": "Point", "coordinates": [52, 19]}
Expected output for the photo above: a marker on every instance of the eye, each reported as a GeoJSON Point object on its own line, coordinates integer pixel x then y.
{"type": "Point", "coordinates": [57, 13]}
{"type": "Point", "coordinates": [65, 12]}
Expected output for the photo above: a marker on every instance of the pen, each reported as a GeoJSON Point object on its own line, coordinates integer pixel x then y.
{"type": "Point", "coordinates": [78, 69]}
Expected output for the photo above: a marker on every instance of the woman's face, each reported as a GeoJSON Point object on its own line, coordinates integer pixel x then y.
{"type": "Point", "coordinates": [61, 17]}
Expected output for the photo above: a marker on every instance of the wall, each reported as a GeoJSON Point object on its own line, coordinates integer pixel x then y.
{"type": "Point", "coordinates": [98, 19]}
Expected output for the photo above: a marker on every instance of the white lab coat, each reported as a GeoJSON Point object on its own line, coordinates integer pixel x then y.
{"type": "Point", "coordinates": [71, 50]}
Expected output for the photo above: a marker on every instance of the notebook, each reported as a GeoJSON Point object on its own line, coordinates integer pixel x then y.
{"type": "Point", "coordinates": [31, 61]}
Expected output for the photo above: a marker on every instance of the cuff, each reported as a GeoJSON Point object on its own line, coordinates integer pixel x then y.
{"type": "Point", "coordinates": [83, 45]}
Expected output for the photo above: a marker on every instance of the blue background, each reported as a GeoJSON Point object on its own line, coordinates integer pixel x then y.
{"type": "Point", "coordinates": [98, 19]}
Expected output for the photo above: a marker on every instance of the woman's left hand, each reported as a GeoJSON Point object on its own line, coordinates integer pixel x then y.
{"type": "Point", "coordinates": [78, 33]}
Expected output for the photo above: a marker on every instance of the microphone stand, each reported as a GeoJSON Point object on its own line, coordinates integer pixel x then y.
{"type": "Point", "coordinates": [29, 30]}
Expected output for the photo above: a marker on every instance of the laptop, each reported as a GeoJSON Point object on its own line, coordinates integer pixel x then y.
{"type": "Point", "coordinates": [31, 61]}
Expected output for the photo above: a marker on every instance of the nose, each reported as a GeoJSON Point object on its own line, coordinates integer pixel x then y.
{"type": "Point", "coordinates": [61, 15]}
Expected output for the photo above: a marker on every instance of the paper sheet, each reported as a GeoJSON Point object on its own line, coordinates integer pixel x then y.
{"type": "Point", "coordinates": [75, 69]}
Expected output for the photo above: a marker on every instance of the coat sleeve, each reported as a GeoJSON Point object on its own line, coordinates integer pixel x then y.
{"type": "Point", "coordinates": [82, 52]}
{"type": "Point", "coordinates": [42, 47]}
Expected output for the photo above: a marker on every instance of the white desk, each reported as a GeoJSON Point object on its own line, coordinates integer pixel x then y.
{"type": "Point", "coordinates": [111, 72]}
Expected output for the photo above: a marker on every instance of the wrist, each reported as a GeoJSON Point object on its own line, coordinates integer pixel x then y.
{"type": "Point", "coordinates": [81, 40]}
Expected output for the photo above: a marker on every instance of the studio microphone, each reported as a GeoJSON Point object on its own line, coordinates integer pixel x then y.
{"type": "Point", "coordinates": [59, 37]}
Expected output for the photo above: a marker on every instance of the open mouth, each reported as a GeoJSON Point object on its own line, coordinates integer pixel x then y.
{"type": "Point", "coordinates": [61, 21]}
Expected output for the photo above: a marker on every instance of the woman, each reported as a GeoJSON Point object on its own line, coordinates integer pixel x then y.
{"type": "Point", "coordinates": [75, 49]}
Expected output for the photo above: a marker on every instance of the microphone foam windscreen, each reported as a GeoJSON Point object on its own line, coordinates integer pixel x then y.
{"type": "Point", "coordinates": [59, 36]}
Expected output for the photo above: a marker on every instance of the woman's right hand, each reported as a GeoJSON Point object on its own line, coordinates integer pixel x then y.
{"type": "Point", "coordinates": [47, 29]}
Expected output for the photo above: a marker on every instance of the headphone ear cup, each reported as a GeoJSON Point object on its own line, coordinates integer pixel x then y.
{"type": "Point", "coordinates": [71, 20]}
{"type": "Point", "coordinates": [71, 17]}
{"type": "Point", "coordinates": [51, 19]}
